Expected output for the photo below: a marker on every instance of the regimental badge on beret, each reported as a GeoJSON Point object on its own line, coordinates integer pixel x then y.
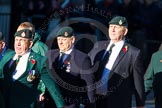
{"type": "Point", "coordinates": [120, 22]}
{"type": "Point", "coordinates": [66, 34]}
{"type": "Point", "coordinates": [23, 34]}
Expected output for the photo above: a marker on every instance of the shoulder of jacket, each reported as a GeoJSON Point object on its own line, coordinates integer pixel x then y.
{"type": "Point", "coordinates": [157, 53]}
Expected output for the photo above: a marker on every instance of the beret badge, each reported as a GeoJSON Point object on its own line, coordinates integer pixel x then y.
{"type": "Point", "coordinates": [23, 34]}
{"type": "Point", "coordinates": [66, 34]}
{"type": "Point", "coordinates": [120, 22]}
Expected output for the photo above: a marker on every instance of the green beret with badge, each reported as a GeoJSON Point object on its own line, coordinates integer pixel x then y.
{"type": "Point", "coordinates": [119, 20]}
{"type": "Point", "coordinates": [65, 32]}
{"type": "Point", "coordinates": [25, 33]}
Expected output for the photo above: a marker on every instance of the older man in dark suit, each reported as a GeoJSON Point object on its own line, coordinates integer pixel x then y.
{"type": "Point", "coordinates": [120, 72]}
{"type": "Point", "coordinates": [71, 70]}
{"type": "Point", "coordinates": [21, 71]}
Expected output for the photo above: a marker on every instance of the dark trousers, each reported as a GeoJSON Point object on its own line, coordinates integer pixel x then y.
{"type": "Point", "coordinates": [101, 101]}
{"type": "Point", "coordinates": [1, 100]}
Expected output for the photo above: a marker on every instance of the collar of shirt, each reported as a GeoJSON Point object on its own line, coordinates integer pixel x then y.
{"type": "Point", "coordinates": [16, 56]}
{"type": "Point", "coordinates": [69, 51]}
{"type": "Point", "coordinates": [22, 65]}
{"type": "Point", "coordinates": [115, 52]}
{"type": "Point", "coordinates": [118, 45]}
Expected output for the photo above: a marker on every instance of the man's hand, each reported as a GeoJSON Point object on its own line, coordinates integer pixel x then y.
{"type": "Point", "coordinates": [41, 97]}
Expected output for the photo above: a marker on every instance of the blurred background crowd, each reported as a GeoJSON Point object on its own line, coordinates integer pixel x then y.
{"type": "Point", "coordinates": [144, 18]}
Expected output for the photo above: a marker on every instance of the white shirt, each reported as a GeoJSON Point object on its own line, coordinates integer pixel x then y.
{"type": "Point", "coordinates": [21, 66]}
{"type": "Point", "coordinates": [115, 52]}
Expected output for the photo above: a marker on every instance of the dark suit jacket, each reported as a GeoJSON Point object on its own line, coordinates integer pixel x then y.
{"type": "Point", "coordinates": [22, 93]}
{"type": "Point", "coordinates": [73, 82]}
{"type": "Point", "coordinates": [126, 76]}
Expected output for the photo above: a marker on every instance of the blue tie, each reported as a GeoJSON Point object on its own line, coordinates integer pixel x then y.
{"type": "Point", "coordinates": [102, 89]}
{"type": "Point", "coordinates": [1, 57]}
{"type": "Point", "coordinates": [61, 59]}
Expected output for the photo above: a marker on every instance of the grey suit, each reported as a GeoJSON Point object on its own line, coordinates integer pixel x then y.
{"type": "Point", "coordinates": [73, 77]}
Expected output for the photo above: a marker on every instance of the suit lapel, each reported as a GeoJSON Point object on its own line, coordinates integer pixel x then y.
{"type": "Point", "coordinates": [31, 62]}
{"type": "Point", "coordinates": [105, 45]}
{"type": "Point", "coordinates": [54, 57]}
{"type": "Point", "coordinates": [120, 56]}
{"type": "Point", "coordinates": [103, 49]}
{"type": "Point", "coordinates": [68, 58]}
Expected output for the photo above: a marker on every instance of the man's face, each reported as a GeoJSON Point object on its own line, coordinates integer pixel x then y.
{"type": "Point", "coordinates": [116, 32]}
{"type": "Point", "coordinates": [2, 45]}
{"type": "Point", "coordinates": [22, 45]}
{"type": "Point", "coordinates": [65, 43]}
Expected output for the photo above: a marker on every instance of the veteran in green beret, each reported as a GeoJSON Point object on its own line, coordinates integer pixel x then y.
{"type": "Point", "coordinates": [21, 72]}
{"type": "Point", "coordinates": [73, 68]}
{"type": "Point", "coordinates": [120, 71]}
{"type": "Point", "coordinates": [38, 46]}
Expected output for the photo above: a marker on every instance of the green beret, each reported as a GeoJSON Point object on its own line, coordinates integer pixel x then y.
{"type": "Point", "coordinates": [25, 33]}
{"type": "Point", "coordinates": [119, 20]}
{"type": "Point", "coordinates": [1, 36]}
{"type": "Point", "coordinates": [65, 32]}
